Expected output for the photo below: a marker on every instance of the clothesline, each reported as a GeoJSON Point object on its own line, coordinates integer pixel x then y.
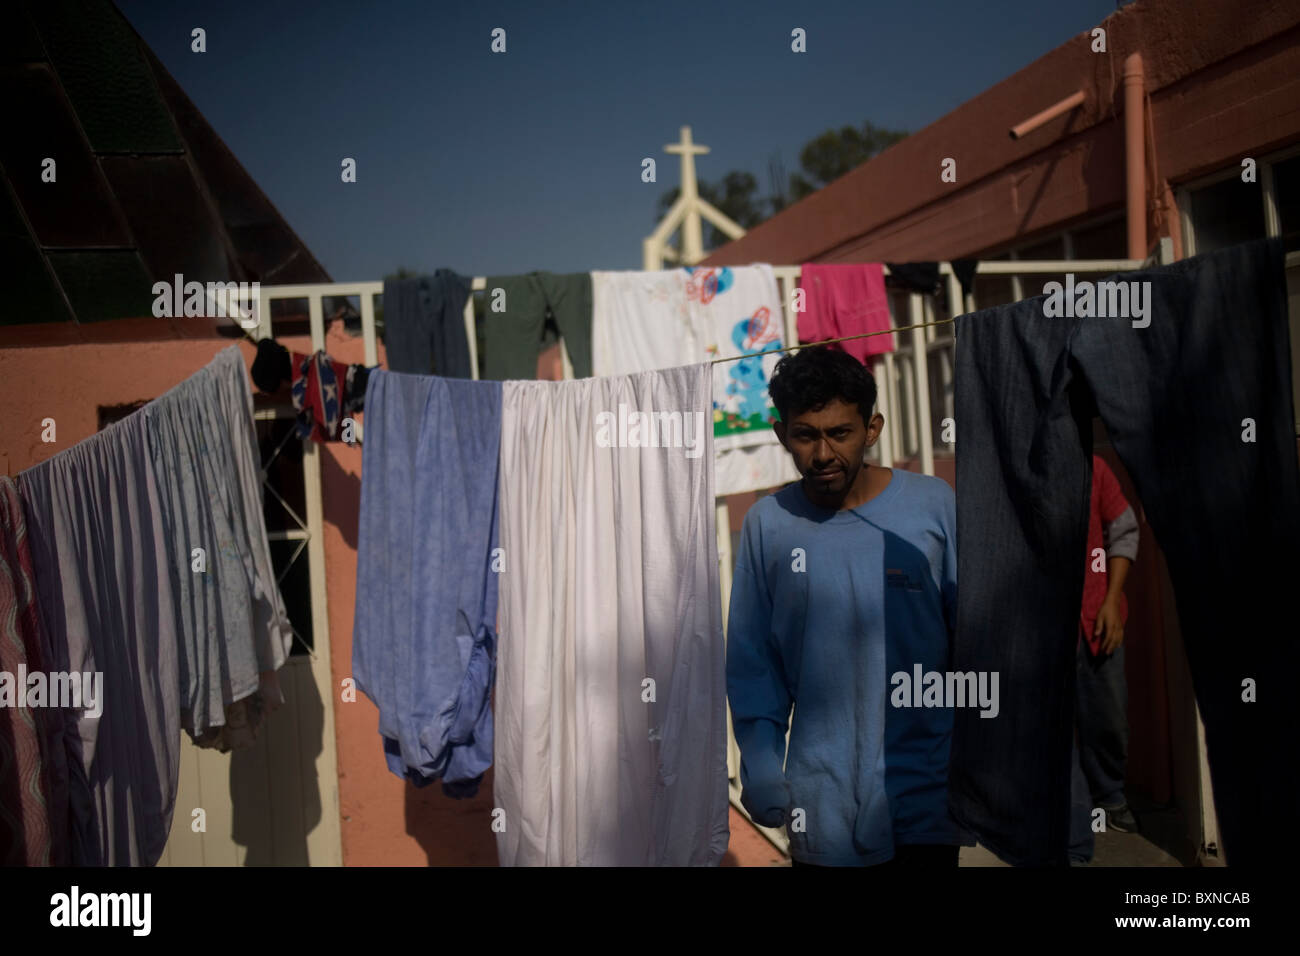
{"type": "Point", "coordinates": [846, 338]}
{"type": "Point", "coordinates": [788, 348]}
{"type": "Point", "coordinates": [808, 345]}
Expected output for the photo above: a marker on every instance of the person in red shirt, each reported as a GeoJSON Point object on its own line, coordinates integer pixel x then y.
{"type": "Point", "coordinates": [1101, 693]}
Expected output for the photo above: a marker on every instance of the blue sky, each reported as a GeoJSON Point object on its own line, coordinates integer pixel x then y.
{"type": "Point", "coordinates": [529, 160]}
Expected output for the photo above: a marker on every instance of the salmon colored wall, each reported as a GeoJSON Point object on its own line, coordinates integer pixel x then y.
{"type": "Point", "coordinates": [70, 382]}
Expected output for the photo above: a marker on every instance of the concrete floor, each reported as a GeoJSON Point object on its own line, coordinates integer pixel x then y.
{"type": "Point", "coordinates": [748, 847]}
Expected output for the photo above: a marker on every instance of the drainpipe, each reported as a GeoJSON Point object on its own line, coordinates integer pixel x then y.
{"type": "Point", "coordinates": [1135, 157]}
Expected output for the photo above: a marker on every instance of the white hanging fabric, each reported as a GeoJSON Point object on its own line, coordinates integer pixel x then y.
{"type": "Point", "coordinates": [610, 696]}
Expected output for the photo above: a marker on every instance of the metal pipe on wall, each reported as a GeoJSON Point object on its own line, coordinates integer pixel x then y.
{"type": "Point", "coordinates": [1053, 111]}
{"type": "Point", "coordinates": [1135, 157]}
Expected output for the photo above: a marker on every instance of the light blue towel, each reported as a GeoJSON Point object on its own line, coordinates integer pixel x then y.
{"type": "Point", "coordinates": [424, 638]}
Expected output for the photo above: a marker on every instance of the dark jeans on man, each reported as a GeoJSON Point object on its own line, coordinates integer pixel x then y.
{"type": "Point", "coordinates": [1101, 749]}
{"type": "Point", "coordinates": [911, 856]}
{"type": "Point", "coordinates": [1198, 406]}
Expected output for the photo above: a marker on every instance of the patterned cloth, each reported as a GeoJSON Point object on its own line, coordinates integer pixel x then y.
{"type": "Point", "coordinates": [25, 826]}
{"type": "Point", "coordinates": [324, 393]}
{"type": "Point", "coordinates": [658, 320]}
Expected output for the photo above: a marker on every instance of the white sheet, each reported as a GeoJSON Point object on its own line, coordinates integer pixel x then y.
{"type": "Point", "coordinates": [611, 577]}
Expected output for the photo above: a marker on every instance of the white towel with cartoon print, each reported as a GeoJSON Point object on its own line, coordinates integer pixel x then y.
{"type": "Point", "coordinates": [653, 320]}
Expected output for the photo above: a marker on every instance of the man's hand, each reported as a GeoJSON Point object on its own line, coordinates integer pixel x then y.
{"type": "Point", "coordinates": [1109, 626]}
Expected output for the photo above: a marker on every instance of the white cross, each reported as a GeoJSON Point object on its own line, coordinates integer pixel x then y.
{"type": "Point", "coordinates": [692, 233]}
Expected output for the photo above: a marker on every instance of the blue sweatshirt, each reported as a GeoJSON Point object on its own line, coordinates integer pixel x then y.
{"type": "Point", "coordinates": [825, 606]}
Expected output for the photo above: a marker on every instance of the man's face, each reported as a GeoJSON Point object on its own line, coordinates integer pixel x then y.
{"type": "Point", "coordinates": [828, 444]}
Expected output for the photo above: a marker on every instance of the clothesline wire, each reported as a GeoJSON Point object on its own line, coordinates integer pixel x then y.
{"type": "Point", "coordinates": [846, 338]}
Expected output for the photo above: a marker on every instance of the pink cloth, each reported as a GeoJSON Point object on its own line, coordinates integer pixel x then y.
{"type": "Point", "coordinates": [844, 300]}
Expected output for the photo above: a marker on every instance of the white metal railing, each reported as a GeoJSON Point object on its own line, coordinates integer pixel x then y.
{"type": "Point", "coordinates": [903, 378]}
{"type": "Point", "coordinates": [904, 393]}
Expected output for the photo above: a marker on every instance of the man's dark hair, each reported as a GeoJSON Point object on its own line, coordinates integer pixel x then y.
{"type": "Point", "coordinates": [811, 377]}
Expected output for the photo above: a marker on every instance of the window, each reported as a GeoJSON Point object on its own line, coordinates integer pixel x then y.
{"type": "Point", "coordinates": [991, 290]}
{"type": "Point", "coordinates": [1033, 283]}
{"type": "Point", "coordinates": [1227, 213]}
{"type": "Point", "coordinates": [1109, 240]}
{"type": "Point", "coordinates": [108, 414]}
{"type": "Point", "coordinates": [1286, 193]}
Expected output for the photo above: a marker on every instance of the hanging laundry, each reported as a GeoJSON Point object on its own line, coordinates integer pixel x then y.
{"type": "Point", "coordinates": [424, 324]}
{"type": "Point", "coordinates": [102, 559]}
{"type": "Point", "coordinates": [354, 388]}
{"type": "Point", "coordinates": [654, 320]}
{"type": "Point", "coordinates": [610, 700]}
{"type": "Point", "coordinates": [640, 321]}
{"type": "Point", "coordinates": [841, 300]}
{"type": "Point", "coordinates": [1197, 402]}
{"type": "Point", "coordinates": [324, 393]}
{"type": "Point", "coordinates": [27, 741]}
{"type": "Point", "coordinates": [126, 601]}
{"type": "Point", "coordinates": [737, 311]}
{"type": "Point", "coordinates": [310, 375]}
{"type": "Point", "coordinates": [925, 278]}
{"type": "Point", "coordinates": [922, 277]}
{"type": "Point", "coordinates": [964, 270]}
{"type": "Point", "coordinates": [513, 338]}
{"type": "Point", "coordinates": [424, 637]}
{"type": "Point", "coordinates": [234, 629]}
{"type": "Point", "coordinates": [38, 813]}
{"type": "Point", "coordinates": [272, 367]}
{"type": "Point", "coordinates": [318, 383]}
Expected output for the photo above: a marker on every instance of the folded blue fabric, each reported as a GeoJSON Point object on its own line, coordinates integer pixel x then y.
{"type": "Point", "coordinates": [424, 638]}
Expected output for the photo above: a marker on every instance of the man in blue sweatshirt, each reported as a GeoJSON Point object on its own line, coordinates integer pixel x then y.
{"type": "Point", "coordinates": [844, 581]}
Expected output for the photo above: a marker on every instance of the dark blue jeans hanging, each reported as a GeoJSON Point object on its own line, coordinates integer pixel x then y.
{"type": "Point", "coordinates": [1198, 405]}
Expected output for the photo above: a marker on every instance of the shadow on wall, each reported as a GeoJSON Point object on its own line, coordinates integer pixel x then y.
{"type": "Point", "coordinates": [274, 791]}
{"type": "Point", "coordinates": [452, 832]}
{"type": "Point", "coordinates": [343, 497]}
